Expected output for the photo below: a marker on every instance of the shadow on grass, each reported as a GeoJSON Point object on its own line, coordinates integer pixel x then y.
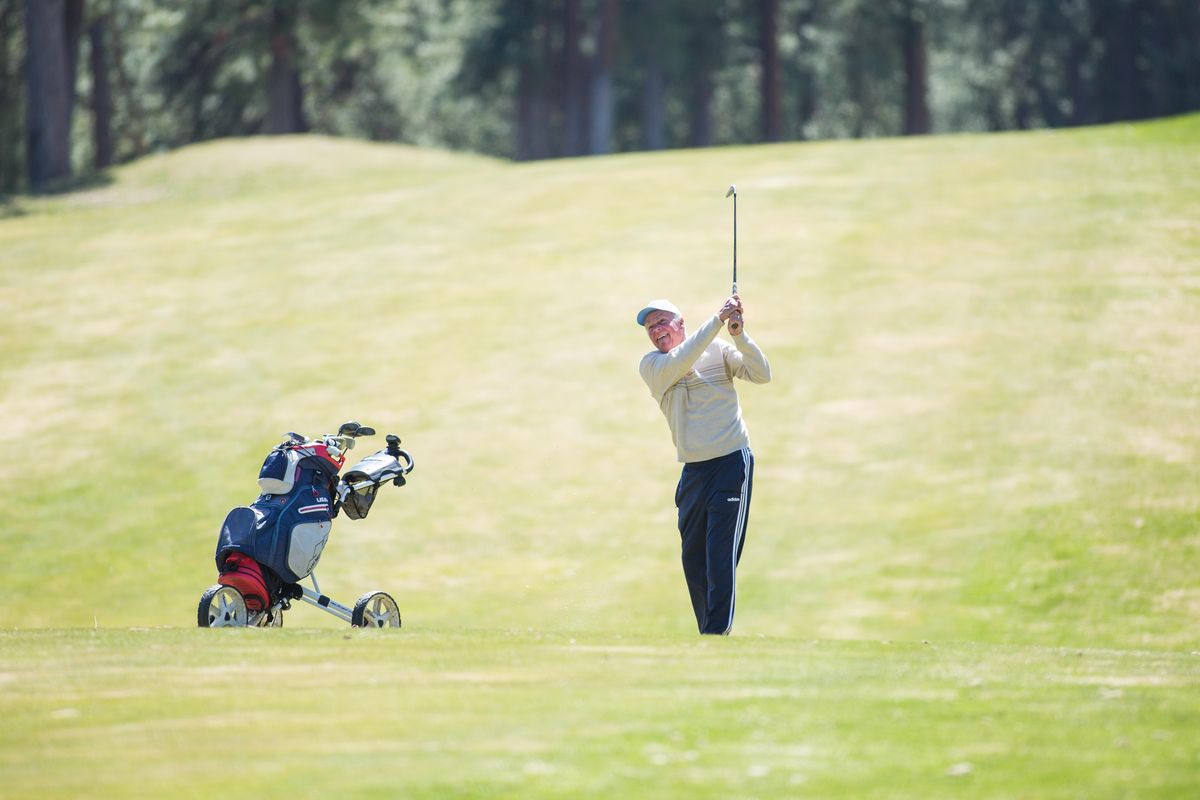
{"type": "Point", "coordinates": [95, 180]}
{"type": "Point", "coordinates": [11, 205]}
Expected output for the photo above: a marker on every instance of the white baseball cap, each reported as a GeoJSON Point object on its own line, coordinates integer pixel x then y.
{"type": "Point", "coordinates": [657, 305]}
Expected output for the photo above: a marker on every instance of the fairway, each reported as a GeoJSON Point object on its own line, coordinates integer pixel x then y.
{"type": "Point", "coordinates": [470, 713]}
{"type": "Point", "coordinates": [971, 564]}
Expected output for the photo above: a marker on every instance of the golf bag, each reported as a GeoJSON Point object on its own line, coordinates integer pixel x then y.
{"type": "Point", "coordinates": [285, 529]}
{"type": "Point", "coordinates": [277, 540]}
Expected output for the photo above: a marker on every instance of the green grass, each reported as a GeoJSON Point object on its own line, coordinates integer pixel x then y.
{"type": "Point", "coordinates": [481, 712]}
{"type": "Point", "coordinates": [983, 433]}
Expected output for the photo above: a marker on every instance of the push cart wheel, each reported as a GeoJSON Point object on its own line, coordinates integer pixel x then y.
{"type": "Point", "coordinates": [376, 610]}
{"type": "Point", "coordinates": [221, 607]}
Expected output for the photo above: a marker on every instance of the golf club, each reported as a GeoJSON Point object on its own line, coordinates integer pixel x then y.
{"type": "Point", "coordinates": [735, 322]}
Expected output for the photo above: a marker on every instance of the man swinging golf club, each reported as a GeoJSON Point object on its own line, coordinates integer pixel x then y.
{"type": "Point", "coordinates": [691, 378]}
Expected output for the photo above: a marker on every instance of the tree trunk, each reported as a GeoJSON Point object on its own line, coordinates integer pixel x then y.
{"type": "Point", "coordinates": [285, 94]}
{"type": "Point", "coordinates": [1131, 90]}
{"type": "Point", "coordinates": [132, 127]}
{"type": "Point", "coordinates": [916, 91]}
{"type": "Point", "coordinates": [768, 43]}
{"type": "Point", "coordinates": [806, 105]}
{"type": "Point", "coordinates": [654, 119]}
{"type": "Point", "coordinates": [101, 95]}
{"type": "Point", "coordinates": [574, 84]}
{"type": "Point", "coordinates": [72, 32]}
{"type": "Point", "coordinates": [856, 90]}
{"type": "Point", "coordinates": [523, 115]}
{"type": "Point", "coordinates": [806, 79]}
{"type": "Point", "coordinates": [1077, 84]}
{"type": "Point", "coordinates": [600, 122]}
{"type": "Point", "coordinates": [526, 113]}
{"type": "Point", "coordinates": [48, 115]}
{"type": "Point", "coordinates": [650, 26]}
{"type": "Point", "coordinates": [534, 89]}
{"type": "Point", "coordinates": [547, 115]}
{"type": "Point", "coordinates": [11, 114]}
{"type": "Point", "coordinates": [704, 46]}
{"type": "Point", "coordinates": [700, 122]}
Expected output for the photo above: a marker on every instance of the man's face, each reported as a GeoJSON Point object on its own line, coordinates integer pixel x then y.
{"type": "Point", "coordinates": [665, 330]}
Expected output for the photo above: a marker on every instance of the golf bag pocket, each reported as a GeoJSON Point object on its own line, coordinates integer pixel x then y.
{"type": "Point", "coordinates": [279, 471]}
{"type": "Point", "coordinates": [304, 550]}
{"type": "Point", "coordinates": [237, 535]}
{"type": "Point", "coordinates": [291, 531]}
{"type": "Point", "coordinates": [243, 573]}
{"type": "Point", "coordinates": [357, 502]}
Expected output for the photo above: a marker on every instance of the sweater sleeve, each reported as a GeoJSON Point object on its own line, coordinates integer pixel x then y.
{"type": "Point", "coordinates": [747, 361]}
{"type": "Point", "coordinates": [661, 371]}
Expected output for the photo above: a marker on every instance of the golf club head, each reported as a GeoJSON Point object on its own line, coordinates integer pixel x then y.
{"type": "Point", "coordinates": [732, 190]}
{"type": "Point", "coordinates": [349, 428]}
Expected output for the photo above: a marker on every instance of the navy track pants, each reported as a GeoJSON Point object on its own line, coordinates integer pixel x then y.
{"type": "Point", "coordinates": [713, 499]}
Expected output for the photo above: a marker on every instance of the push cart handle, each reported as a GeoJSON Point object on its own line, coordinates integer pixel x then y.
{"type": "Point", "coordinates": [393, 450]}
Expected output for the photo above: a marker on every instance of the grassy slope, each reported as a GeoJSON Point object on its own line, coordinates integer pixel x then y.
{"type": "Point", "coordinates": [984, 424]}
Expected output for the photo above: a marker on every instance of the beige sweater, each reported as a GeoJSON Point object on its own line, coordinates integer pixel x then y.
{"type": "Point", "coordinates": [693, 385]}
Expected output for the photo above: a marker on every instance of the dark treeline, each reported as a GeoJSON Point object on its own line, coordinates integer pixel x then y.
{"type": "Point", "coordinates": [88, 83]}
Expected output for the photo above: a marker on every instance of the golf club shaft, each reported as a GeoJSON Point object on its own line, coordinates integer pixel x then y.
{"type": "Point", "coordinates": [735, 321]}
{"type": "Point", "coordinates": [735, 241]}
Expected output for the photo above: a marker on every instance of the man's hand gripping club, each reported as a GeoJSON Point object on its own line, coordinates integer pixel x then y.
{"type": "Point", "coordinates": [731, 315]}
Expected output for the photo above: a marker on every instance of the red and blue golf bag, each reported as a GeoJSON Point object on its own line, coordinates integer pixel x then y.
{"type": "Point", "coordinates": [279, 537]}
